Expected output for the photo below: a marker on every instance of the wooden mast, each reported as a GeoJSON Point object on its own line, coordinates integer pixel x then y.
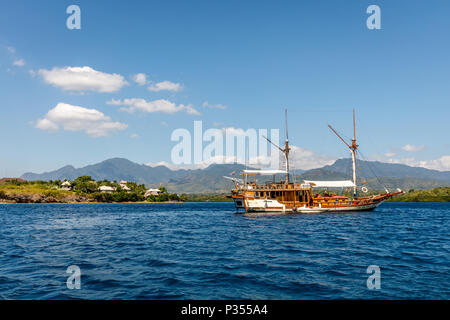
{"type": "Point", "coordinates": [352, 148]}
{"type": "Point", "coordinates": [285, 150]}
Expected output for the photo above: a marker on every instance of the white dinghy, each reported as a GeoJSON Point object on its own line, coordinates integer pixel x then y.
{"type": "Point", "coordinates": [306, 209]}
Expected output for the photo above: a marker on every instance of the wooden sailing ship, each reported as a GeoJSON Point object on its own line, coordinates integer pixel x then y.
{"type": "Point", "coordinates": [285, 196]}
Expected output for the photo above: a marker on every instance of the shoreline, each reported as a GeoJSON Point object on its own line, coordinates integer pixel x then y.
{"type": "Point", "coordinates": [94, 202]}
{"type": "Point", "coordinates": [171, 202]}
{"type": "Point", "coordinates": [85, 202]}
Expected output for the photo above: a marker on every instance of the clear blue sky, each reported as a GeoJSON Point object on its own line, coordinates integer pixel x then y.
{"type": "Point", "coordinates": [317, 58]}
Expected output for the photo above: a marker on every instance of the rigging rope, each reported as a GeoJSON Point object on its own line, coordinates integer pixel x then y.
{"type": "Point", "coordinates": [373, 172]}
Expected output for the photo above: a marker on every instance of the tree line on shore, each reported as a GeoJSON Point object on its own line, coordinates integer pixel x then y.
{"type": "Point", "coordinates": [432, 195]}
{"type": "Point", "coordinates": [87, 187]}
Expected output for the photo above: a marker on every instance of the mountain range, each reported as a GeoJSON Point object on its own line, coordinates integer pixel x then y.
{"type": "Point", "coordinates": [373, 174]}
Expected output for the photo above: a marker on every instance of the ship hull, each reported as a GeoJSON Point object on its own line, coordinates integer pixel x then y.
{"type": "Point", "coordinates": [262, 205]}
{"type": "Point", "coordinates": [258, 205]}
{"type": "Point", "coordinates": [368, 207]}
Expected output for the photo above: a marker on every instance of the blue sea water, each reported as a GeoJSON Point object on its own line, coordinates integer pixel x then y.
{"type": "Point", "coordinates": [207, 251]}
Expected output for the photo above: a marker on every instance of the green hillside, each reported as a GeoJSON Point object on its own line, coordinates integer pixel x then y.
{"type": "Point", "coordinates": [433, 195]}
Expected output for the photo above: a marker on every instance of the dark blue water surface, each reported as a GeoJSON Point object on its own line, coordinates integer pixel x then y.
{"type": "Point", "coordinates": [206, 251]}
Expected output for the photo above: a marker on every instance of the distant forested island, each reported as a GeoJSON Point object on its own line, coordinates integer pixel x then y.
{"type": "Point", "coordinates": [81, 189]}
{"type": "Point", "coordinates": [432, 195]}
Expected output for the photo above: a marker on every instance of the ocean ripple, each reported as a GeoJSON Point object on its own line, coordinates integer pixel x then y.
{"type": "Point", "coordinates": [206, 251]}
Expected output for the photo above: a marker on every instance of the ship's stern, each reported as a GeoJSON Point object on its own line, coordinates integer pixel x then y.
{"type": "Point", "coordinates": [239, 203]}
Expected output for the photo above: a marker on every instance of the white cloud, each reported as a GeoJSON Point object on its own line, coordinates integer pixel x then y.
{"type": "Point", "coordinates": [306, 159]}
{"type": "Point", "coordinates": [214, 106]}
{"type": "Point", "coordinates": [19, 63]}
{"type": "Point", "coordinates": [75, 118]}
{"type": "Point", "coordinates": [234, 131]}
{"type": "Point", "coordinates": [202, 165]}
{"type": "Point", "coordinates": [162, 106]}
{"type": "Point", "coordinates": [412, 162]}
{"type": "Point", "coordinates": [134, 136]}
{"type": "Point", "coordinates": [140, 78]}
{"type": "Point", "coordinates": [165, 85]}
{"type": "Point", "coordinates": [441, 164]}
{"type": "Point", "coordinates": [171, 166]}
{"type": "Point", "coordinates": [389, 154]}
{"type": "Point", "coordinates": [83, 79]}
{"type": "Point", "coordinates": [46, 125]}
{"type": "Point", "coordinates": [411, 148]}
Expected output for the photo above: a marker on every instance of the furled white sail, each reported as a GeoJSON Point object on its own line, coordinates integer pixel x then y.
{"type": "Point", "coordinates": [331, 184]}
{"type": "Point", "coordinates": [264, 172]}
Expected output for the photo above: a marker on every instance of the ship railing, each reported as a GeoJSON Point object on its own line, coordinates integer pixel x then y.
{"type": "Point", "coordinates": [330, 203]}
{"type": "Point", "coordinates": [273, 186]}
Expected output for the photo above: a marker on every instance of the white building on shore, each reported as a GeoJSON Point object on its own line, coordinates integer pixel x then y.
{"type": "Point", "coordinates": [152, 192]}
{"type": "Point", "coordinates": [106, 189]}
{"type": "Point", "coordinates": [123, 185]}
{"type": "Point", "coordinates": [66, 185]}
